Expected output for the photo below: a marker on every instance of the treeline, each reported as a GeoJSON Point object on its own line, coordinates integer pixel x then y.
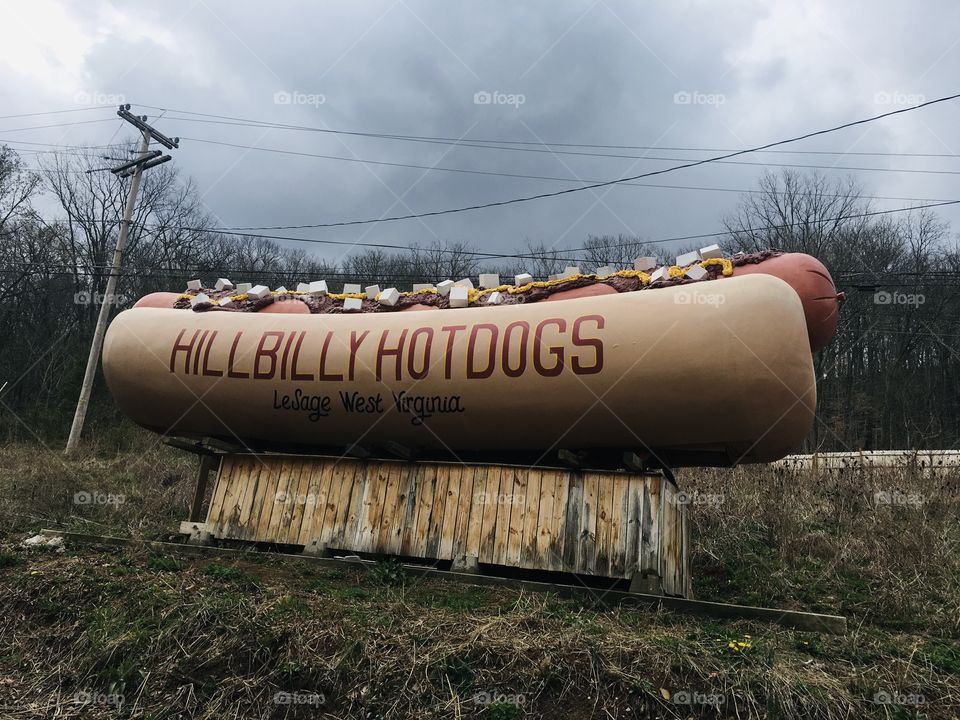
{"type": "Point", "coordinates": [888, 381]}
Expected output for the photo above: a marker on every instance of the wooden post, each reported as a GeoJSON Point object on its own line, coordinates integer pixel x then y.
{"type": "Point", "coordinates": [106, 303]}
{"type": "Point", "coordinates": [208, 463]}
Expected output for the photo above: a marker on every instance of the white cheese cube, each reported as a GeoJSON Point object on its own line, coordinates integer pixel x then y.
{"type": "Point", "coordinates": [688, 258]}
{"type": "Point", "coordinates": [459, 296]}
{"type": "Point", "coordinates": [444, 287]}
{"type": "Point", "coordinates": [389, 297]}
{"type": "Point", "coordinates": [662, 273]}
{"type": "Point", "coordinates": [710, 252]}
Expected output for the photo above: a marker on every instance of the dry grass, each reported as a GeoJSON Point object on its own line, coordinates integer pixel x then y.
{"type": "Point", "coordinates": [151, 485]}
{"type": "Point", "coordinates": [221, 640]}
{"type": "Point", "coordinates": [831, 542]}
{"type": "Point", "coordinates": [194, 639]}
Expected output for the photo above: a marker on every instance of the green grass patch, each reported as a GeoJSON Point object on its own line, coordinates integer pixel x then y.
{"type": "Point", "coordinates": [458, 600]}
{"type": "Point", "coordinates": [944, 655]}
{"type": "Point", "coordinates": [388, 572]}
{"type": "Point", "coordinates": [291, 606]}
{"type": "Point", "coordinates": [163, 563]}
{"type": "Point", "coordinates": [807, 643]}
{"type": "Point", "coordinates": [504, 711]}
{"type": "Point", "coordinates": [353, 593]}
{"type": "Point", "coordinates": [10, 560]}
{"type": "Point", "coordinates": [458, 670]}
{"type": "Point", "coordinates": [228, 574]}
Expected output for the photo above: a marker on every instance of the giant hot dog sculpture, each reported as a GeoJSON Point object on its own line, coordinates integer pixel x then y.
{"type": "Point", "coordinates": [713, 372]}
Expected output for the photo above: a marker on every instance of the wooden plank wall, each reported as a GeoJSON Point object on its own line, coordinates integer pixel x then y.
{"type": "Point", "coordinates": [586, 522]}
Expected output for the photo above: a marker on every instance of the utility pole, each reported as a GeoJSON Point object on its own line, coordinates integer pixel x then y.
{"type": "Point", "coordinates": [133, 169]}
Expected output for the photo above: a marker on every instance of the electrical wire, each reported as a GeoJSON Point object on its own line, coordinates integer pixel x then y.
{"type": "Point", "coordinates": [607, 183]}
{"type": "Point", "coordinates": [539, 177]}
{"type": "Point", "coordinates": [477, 172]}
{"type": "Point", "coordinates": [63, 146]}
{"type": "Point", "coordinates": [70, 124]}
{"type": "Point", "coordinates": [56, 112]}
{"type": "Point", "coordinates": [553, 254]}
{"type": "Point", "coordinates": [847, 277]}
{"type": "Point", "coordinates": [634, 157]}
{"type": "Point", "coordinates": [556, 254]}
{"type": "Point", "coordinates": [244, 122]}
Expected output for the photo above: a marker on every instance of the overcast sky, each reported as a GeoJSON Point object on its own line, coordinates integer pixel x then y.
{"type": "Point", "coordinates": [678, 74]}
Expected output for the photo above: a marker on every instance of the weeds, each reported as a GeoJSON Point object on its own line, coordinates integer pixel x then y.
{"type": "Point", "coordinates": [219, 639]}
{"type": "Point", "coordinates": [9, 560]}
{"type": "Point", "coordinates": [388, 572]}
{"type": "Point", "coordinates": [232, 575]}
{"type": "Point", "coordinates": [163, 563]}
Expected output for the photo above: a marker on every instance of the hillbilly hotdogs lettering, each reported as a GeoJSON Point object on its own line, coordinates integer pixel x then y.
{"type": "Point", "coordinates": [458, 352]}
{"type": "Point", "coordinates": [633, 370]}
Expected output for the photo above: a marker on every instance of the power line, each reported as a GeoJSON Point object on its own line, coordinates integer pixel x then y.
{"type": "Point", "coordinates": [643, 157]}
{"type": "Point", "coordinates": [55, 112]}
{"type": "Point", "coordinates": [555, 254]}
{"type": "Point", "coordinates": [495, 173]}
{"type": "Point", "coordinates": [469, 171]}
{"type": "Point", "coordinates": [847, 277]}
{"type": "Point", "coordinates": [66, 146]}
{"type": "Point", "coordinates": [54, 125]}
{"type": "Point", "coordinates": [245, 122]}
{"type": "Point", "coordinates": [192, 272]}
{"type": "Point", "coordinates": [71, 172]}
{"type": "Point", "coordinates": [767, 228]}
{"type": "Point", "coordinates": [607, 183]}
{"type": "Point", "coordinates": [60, 153]}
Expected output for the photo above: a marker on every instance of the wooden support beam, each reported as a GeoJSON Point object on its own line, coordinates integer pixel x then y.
{"type": "Point", "coordinates": [191, 446]}
{"type": "Point", "coordinates": [400, 451]}
{"type": "Point", "coordinates": [570, 458]}
{"type": "Point", "coordinates": [634, 462]}
{"type": "Point", "coordinates": [358, 451]}
{"type": "Point", "coordinates": [208, 463]}
{"type": "Point", "coordinates": [224, 445]}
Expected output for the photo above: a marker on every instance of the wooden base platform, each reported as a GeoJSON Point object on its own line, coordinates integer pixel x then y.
{"type": "Point", "coordinates": [607, 524]}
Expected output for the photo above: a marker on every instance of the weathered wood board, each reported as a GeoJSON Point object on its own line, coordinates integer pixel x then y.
{"type": "Point", "coordinates": [608, 524]}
